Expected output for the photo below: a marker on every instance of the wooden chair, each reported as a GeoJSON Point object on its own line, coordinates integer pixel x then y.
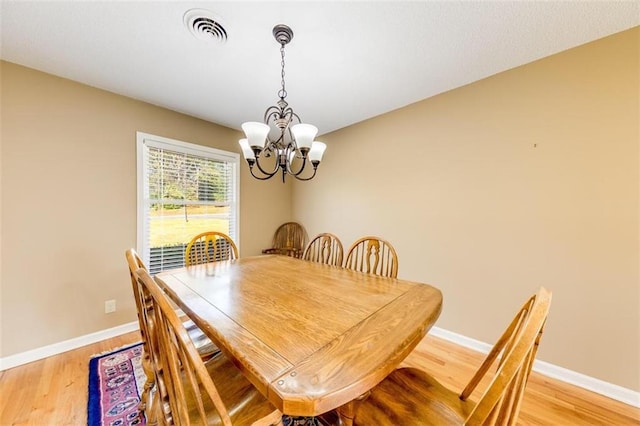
{"type": "Point", "coordinates": [289, 240]}
{"type": "Point", "coordinates": [191, 391]}
{"type": "Point", "coordinates": [205, 347]}
{"type": "Point", "coordinates": [208, 247]}
{"type": "Point", "coordinates": [324, 248]}
{"type": "Point", "coordinates": [373, 255]}
{"type": "Point", "coordinates": [409, 396]}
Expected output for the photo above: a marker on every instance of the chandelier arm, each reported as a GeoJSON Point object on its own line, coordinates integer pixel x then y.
{"type": "Point", "coordinates": [302, 167]}
{"type": "Point", "coordinates": [293, 114]}
{"type": "Point", "coordinates": [267, 176]}
{"type": "Point", "coordinates": [272, 111]}
{"type": "Point", "coordinates": [290, 114]}
{"type": "Point", "coordinates": [282, 119]}
{"type": "Point", "coordinates": [275, 169]}
{"type": "Point", "coordinates": [315, 169]}
{"type": "Point", "coordinates": [280, 141]}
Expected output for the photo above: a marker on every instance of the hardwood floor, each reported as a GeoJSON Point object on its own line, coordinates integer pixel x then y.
{"type": "Point", "coordinates": [53, 391]}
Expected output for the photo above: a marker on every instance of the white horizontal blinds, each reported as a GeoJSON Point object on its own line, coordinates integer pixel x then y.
{"type": "Point", "coordinates": [188, 190]}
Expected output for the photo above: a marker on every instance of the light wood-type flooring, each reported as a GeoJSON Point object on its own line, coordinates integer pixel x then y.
{"type": "Point", "coordinates": [53, 391]}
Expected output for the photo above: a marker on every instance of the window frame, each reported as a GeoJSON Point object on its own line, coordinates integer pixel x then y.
{"type": "Point", "coordinates": [144, 140]}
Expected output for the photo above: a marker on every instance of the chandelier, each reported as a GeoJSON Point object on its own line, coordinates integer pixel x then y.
{"type": "Point", "coordinates": [293, 147]}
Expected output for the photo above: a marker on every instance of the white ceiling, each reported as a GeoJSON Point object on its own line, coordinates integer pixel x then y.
{"type": "Point", "coordinates": [348, 61]}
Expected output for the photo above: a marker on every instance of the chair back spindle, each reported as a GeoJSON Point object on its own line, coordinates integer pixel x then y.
{"type": "Point", "coordinates": [324, 248]}
{"type": "Point", "coordinates": [373, 255]}
{"type": "Point", "coordinates": [211, 246]}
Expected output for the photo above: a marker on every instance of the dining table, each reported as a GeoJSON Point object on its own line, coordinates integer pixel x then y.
{"type": "Point", "coordinates": [312, 338]}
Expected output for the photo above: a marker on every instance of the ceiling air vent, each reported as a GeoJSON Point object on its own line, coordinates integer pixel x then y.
{"type": "Point", "coordinates": [204, 25]}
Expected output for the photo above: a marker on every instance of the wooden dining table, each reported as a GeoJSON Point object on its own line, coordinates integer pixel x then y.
{"type": "Point", "coordinates": [311, 337]}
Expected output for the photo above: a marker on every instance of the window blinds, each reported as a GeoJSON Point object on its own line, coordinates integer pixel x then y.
{"type": "Point", "coordinates": [184, 189]}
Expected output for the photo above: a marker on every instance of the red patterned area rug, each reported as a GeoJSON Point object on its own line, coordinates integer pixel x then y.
{"type": "Point", "coordinates": [116, 380]}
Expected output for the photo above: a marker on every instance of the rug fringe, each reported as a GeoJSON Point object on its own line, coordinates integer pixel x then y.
{"type": "Point", "coordinates": [121, 348]}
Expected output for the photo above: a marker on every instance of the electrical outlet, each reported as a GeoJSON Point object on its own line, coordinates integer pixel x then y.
{"type": "Point", "coordinates": [109, 306]}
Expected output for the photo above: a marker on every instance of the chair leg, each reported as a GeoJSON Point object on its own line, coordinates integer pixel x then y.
{"type": "Point", "coordinates": [148, 385]}
{"type": "Point", "coordinates": [152, 413]}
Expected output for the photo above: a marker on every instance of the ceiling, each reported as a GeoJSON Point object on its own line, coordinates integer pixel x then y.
{"type": "Point", "coordinates": [348, 61]}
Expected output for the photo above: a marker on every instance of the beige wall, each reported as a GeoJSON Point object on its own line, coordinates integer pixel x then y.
{"type": "Point", "coordinates": [524, 179]}
{"type": "Point", "coordinates": [68, 173]}
{"type": "Point", "coordinates": [527, 178]}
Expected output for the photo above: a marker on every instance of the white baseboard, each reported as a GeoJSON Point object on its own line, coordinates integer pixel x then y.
{"type": "Point", "coordinates": [57, 348]}
{"type": "Point", "coordinates": [619, 393]}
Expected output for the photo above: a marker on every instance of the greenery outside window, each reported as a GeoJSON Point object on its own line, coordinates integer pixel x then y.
{"type": "Point", "coordinates": [183, 190]}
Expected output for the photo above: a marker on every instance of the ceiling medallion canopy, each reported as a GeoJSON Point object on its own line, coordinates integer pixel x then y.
{"type": "Point", "coordinates": [293, 148]}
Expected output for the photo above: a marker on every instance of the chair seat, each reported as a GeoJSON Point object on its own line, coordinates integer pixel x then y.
{"type": "Point", "coordinates": [245, 405]}
{"type": "Point", "coordinates": [411, 397]}
{"type": "Point", "coordinates": [203, 344]}
{"type": "Point", "coordinates": [291, 251]}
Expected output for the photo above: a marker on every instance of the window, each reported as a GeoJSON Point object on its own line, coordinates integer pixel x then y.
{"type": "Point", "coordinates": [183, 189]}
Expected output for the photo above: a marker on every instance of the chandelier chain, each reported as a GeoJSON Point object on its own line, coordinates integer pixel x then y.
{"type": "Point", "coordinates": [283, 92]}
